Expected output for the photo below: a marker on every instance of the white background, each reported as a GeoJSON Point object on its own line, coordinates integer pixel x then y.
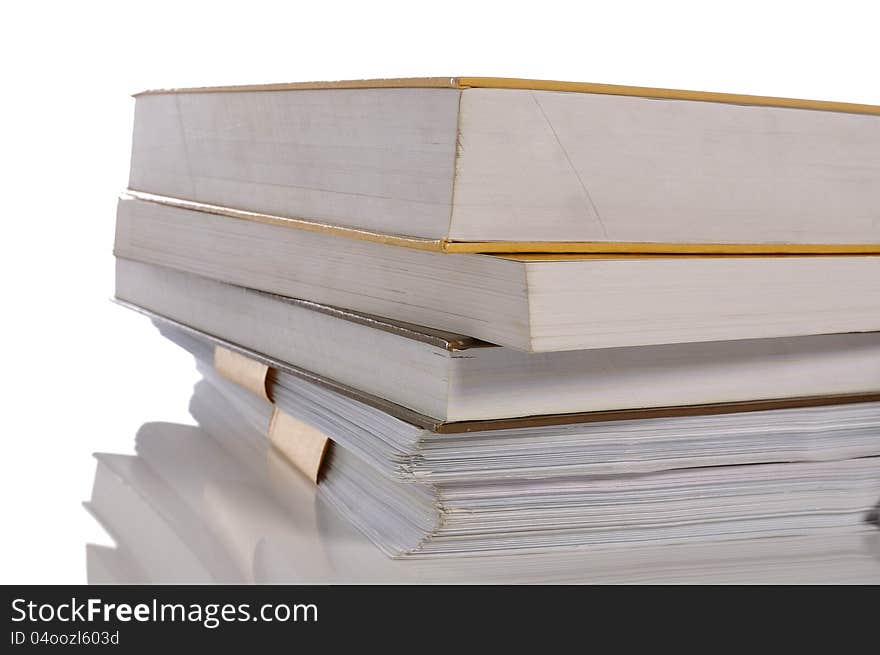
{"type": "Point", "coordinates": [80, 374]}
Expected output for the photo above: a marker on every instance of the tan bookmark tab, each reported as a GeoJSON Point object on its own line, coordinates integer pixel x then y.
{"type": "Point", "coordinates": [300, 443]}
{"type": "Point", "coordinates": [243, 371]}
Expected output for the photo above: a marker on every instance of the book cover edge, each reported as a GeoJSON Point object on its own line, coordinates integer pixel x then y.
{"type": "Point", "coordinates": [473, 82]}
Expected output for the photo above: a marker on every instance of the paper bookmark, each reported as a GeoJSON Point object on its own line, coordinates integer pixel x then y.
{"type": "Point", "coordinates": [243, 371]}
{"type": "Point", "coordinates": [300, 443]}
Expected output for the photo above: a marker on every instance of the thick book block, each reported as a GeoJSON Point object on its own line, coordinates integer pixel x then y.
{"type": "Point", "coordinates": [456, 383]}
{"type": "Point", "coordinates": [526, 301]}
{"type": "Point", "coordinates": [516, 165]}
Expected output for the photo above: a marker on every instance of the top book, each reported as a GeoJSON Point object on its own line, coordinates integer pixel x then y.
{"type": "Point", "coordinates": [506, 165]}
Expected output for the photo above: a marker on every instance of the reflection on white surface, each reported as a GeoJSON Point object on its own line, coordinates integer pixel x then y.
{"type": "Point", "coordinates": [186, 510]}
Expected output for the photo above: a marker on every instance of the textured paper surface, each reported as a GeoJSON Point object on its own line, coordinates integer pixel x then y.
{"type": "Point", "coordinates": [300, 443]}
{"type": "Point", "coordinates": [243, 371]}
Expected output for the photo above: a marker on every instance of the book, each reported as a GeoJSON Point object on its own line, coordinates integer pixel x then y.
{"type": "Point", "coordinates": [494, 165]}
{"type": "Point", "coordinates": [268, 542]}
{"type": "Point", "coordinates": [537, 502]}
{"type": "Point", "coordinates": [534, 302]}
{"type": "Point", "coordinates": [362, 404]}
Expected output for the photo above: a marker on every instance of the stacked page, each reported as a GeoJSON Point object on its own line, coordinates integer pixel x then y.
{"type": "Point", "coordinates": [588, 484]}
{"type": "Point", "coordinates": [187, 509]}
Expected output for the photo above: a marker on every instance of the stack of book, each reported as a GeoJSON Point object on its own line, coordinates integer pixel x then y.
{"type": "Point", "coordinates": [505, 317]}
